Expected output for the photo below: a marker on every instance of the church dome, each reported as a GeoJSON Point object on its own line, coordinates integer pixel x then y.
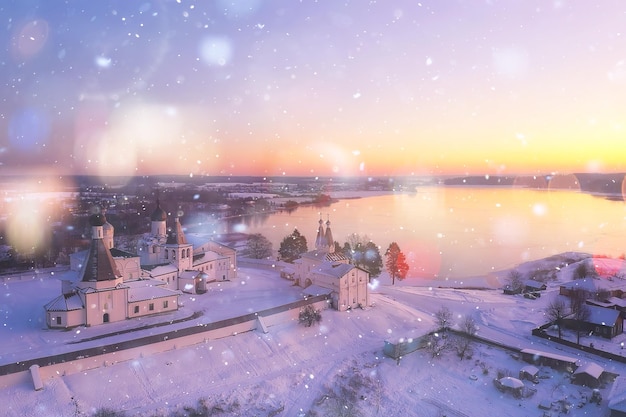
{"type": "Point", "coordinates": [158, 215]}
{"type": "Point", "coordinates": [97, 219]}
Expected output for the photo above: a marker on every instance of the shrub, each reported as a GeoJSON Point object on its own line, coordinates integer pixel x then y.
{"type": "Point", "coordinates": [107, 412]}
{"type": "Point", "coordinates": [309, 315]}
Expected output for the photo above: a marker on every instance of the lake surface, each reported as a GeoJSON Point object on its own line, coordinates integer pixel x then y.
{"type": "Point", "coordinates": [449, 232]}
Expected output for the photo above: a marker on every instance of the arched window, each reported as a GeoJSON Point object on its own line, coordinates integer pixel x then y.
{"type": "Point", "coordinates": [188, 252]}
{"type": "Point", "coordinates": [154, 249]}
{"type": "Point", "coordinates": [166, 254]}
{"type": "Point", "coordinates": [173, 254]}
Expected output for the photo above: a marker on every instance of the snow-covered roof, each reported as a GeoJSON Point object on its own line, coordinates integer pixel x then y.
{"type": "Point", "coordinates": [620, 302]}
{"type": "Point", "coordinates": [316, 290]}
{"type": "Point", "coordinates": [586, 284]}
{"type": "Point", "coordinates": [617, 395]}
{"type": "Point", "coordinates": [65, 302]}
{"type": "Point", "coordinates": [534, 284]}
{"type": "Point", "coordinates": [204, 257]}
{"type": "Point", "coordinates": [149, 292]}
{"type": "Point", "coordinates": [139, 283]}
{"type": "Point", "coordinates": [509, 381]}
{"type": "Point", "coordinates": [593, 284]}
{"type": "Point", "coordinates": [602, 316]}
{"type": "Point", "coordinates": [158, 270]}
{"type": "Point", "coordinates": [336, 270]}
{"type": "Point", "coordinates": [189, 274]}
{"type": "Point", "coordinates": [530, 370]}
{"type": "Point", "coordinates": [600, 303]}
{"type": "Point", "coordinates": [321, 255]}
{"type": "Point", "coordinates": [591, 369]}
{"type": "Point", "coordinates": [556, 356]}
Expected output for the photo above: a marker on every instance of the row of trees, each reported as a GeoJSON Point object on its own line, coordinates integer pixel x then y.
{"type": "Point", "coordinates": [441, 340]}
{"type": "Point", "coordinates": [360, 251]}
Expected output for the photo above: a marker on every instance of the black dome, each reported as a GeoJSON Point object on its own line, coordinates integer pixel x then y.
{"type": "Point", "coordinates": [97, 219]}
{"type": "Point", "coordinates": [158, 215]}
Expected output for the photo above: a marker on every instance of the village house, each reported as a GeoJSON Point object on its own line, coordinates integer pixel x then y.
{"type": "Point", "coordinates": [590, 375]}
{"type": "Point", "coordinates": [603, 322]}
{"type": "Point", "coordinates": [594, 287]}
{"type": "Point", "coordinates": [531, 285]}
{"type": "Point", "coordinates": [554, 361]}
{"type": "Point", "coordinates": [346, 284]}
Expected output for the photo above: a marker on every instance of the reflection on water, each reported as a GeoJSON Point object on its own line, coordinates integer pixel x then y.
{"type": "Point", "coordinates": [449, 232]}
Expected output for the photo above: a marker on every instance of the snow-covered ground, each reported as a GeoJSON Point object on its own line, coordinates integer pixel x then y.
{"type": "Point", "coordinates": [331, 369]}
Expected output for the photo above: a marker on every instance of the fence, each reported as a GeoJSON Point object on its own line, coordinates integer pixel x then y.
{"type": "Point", "coordinates": [541, 332]}
{"type": "Point", "coordinates": [85, 359]}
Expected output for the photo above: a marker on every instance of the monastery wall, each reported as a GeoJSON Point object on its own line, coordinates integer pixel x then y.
{"type": "Point", "coordinates": [250, 322]}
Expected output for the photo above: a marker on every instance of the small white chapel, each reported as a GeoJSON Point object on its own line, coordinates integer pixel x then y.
{"type": "Point", "coordinates": [323, 270]}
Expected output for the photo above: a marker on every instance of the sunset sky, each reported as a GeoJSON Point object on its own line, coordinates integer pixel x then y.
{"type": "Point", "coordinates": [286, 87]}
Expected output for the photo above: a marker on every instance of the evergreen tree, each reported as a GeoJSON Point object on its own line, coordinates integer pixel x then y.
{"type": "Point", "coordinates": [292, 246]}
{"type": "Point", "coordinates": [367, 256]}
{"type": "Point", "coordinates": [396, 263]}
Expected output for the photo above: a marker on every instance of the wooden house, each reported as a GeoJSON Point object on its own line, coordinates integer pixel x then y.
{"type": "Point", "coordinates": [605, 322]}
{"type": "Point", "coordinates": [553, 360]}
{"type": "Point", "coordinates": [589, 375]}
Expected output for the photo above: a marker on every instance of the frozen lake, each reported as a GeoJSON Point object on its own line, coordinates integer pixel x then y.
{"type": "Point", "coordinates": [452, 232]}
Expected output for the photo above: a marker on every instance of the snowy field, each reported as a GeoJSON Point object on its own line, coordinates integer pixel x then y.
{"type": "Point", "coordinates": [331, 369]}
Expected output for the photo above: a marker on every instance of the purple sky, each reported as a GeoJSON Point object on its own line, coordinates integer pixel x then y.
{"type": "Point", "coordinates": [285, 87]}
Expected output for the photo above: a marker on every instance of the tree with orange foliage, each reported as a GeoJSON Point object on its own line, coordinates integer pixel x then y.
{"type": "Point", "coordinates": [396, 263]}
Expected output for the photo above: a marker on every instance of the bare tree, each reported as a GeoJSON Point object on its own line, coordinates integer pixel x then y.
{"type": "Point", "coordinates": [580, 310]}
{"type": "Point", "coordinates": [515, 281]}
{"type": "Point", "coordinates": [468, 328]}
{"type": "Point", "coordinates": [436, 344]}
{"type": "Point", "coordinates": [556, 311]}
{"type": "Point", "coordinates": [258, 247]}
{"type": "Point", "coordinates": [443, 318]}
{"type": "Point", "coordinates": [584, 270]}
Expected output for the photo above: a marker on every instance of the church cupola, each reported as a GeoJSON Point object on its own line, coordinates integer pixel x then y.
{"type": "Point", "coordinates": [158, 215]}
{"type": "Point", "coordinates": [320, 239]}
{"type": "Point", "coordinates": [158, 219]}
{"type": "Point", "coordinates": [97, 222]}
{"type": "Point", "coordinates": [330, 242]}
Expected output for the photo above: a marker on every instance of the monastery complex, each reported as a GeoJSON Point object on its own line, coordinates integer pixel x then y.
{"type": "Point", "coordinates": [112, 285]}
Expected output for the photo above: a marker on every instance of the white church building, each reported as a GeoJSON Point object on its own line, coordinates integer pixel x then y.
{"type": "Point", "coordinates": [323, 270]}
{"type": "Point", "coordinates": [113, 285]}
